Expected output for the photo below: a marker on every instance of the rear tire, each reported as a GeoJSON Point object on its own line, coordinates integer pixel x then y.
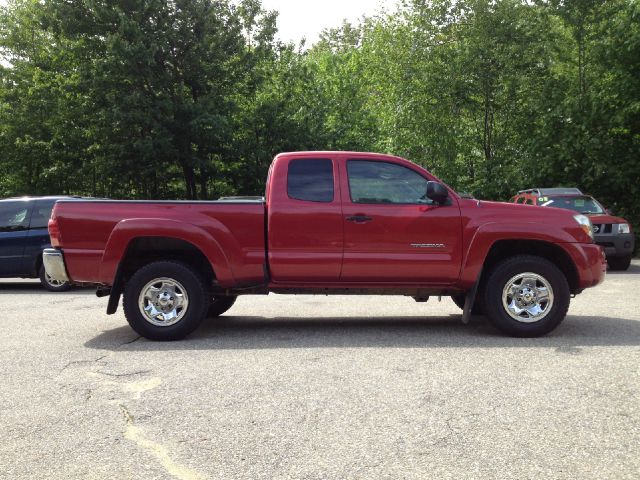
{"type": "Point", "coordinates": [220, 305]}
{"type": "Point", "coordinates": [50, 284]}
{"type": "Point", "coordinates": [526, 296]}
{"type": "Point", "coordinates": [619, 263]}
{"type": "Point", "coordinates": [165, 301]}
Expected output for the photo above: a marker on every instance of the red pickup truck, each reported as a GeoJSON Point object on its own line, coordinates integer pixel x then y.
{"type": "Point", "coordinates": [330, 223]}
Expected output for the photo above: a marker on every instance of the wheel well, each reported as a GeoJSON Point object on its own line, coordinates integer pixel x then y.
{"type": "Point", "coordinates": [37, 264]}
{"type": "Point", "coordinates": [508, 248]}
{"type": "Point", "coordinates": [144, 250]}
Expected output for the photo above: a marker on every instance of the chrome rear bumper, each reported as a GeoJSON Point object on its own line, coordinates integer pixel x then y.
{"type": "Point", "coordinates": [53, 261]}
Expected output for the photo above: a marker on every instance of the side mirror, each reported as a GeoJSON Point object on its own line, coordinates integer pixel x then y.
{"type": "Point", "coordinates": [608, 211]}
{"type": "Point", "coordinates": [437, 192]}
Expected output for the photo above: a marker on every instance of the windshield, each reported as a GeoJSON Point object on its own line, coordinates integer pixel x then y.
{"type": "Point", "coordinates": [581, 204]}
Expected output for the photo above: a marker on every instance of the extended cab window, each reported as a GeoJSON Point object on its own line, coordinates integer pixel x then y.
{"type": "Point", "coordinates": [13, 216]}
{"type": "Point", "coordinates": [310, 180]}
{"type": "Point", "coordinates": [384, 182]}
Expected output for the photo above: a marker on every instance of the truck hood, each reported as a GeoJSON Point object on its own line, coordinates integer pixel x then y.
{"type": "Point", "coordinates": [528, 211]}
{"type": "Point", "coordinates": [528, 220]}
{"type": "Point", "coordinates": [531, 212]}
{"type": "Point", "coordinates": [599, 219]}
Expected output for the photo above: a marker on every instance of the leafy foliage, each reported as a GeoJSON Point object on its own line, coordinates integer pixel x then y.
{"type": "Point", "coordinates": [192, 98]}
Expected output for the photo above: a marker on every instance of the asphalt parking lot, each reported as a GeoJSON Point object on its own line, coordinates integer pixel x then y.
{"type": "Point", "coordinates": [319, 387]}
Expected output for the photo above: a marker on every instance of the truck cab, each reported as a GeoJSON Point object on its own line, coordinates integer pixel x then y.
{"type": "Point", "coordinates": [358, 218]}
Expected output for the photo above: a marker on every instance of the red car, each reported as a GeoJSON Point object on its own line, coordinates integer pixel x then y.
{"type": "Point", "coordinates": [612, 233]}
{"type": "Point", "coordinates": [330, 223]}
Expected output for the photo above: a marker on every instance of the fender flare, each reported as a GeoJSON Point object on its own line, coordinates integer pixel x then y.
{"type": "Point", "coordinates": [129, 229]}
{"type": "Point", "coordinates": [486, 236]}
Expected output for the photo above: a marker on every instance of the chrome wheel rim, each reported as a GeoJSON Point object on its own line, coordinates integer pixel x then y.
{"type": "Point", "coordinates": [163, 302]}
{"type": "Point", "coordinates": [527, 297]}
{"type": "Point", "coordinates": [52, 281]}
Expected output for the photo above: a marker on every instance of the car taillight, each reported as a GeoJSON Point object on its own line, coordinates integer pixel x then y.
{"type": "Point", "coordinates": [54, 232]}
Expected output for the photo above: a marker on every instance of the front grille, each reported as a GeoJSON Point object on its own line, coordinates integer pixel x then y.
{"type": "Point", "coordinates": [606, 244]}
{"type": "Point", "coordinates": [602, 227]}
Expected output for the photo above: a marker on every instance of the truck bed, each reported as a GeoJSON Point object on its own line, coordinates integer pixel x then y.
{"type": "Point", "coordinates": [96, 233]}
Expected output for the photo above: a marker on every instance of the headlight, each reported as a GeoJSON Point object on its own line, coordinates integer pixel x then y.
{"type": "Point", "coordinates": [585, 224]}
{"type": "Point", "coordinates": [623, 228]}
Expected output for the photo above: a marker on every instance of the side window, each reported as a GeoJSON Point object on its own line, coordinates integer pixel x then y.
{"type": "Point", "coordinates": [520, 200]}
{"type": "Point", "coordinates": [529, 201]}
{"type": "Point", "coordinates": [310, 180]}
{"type": "Point", "coordinates": [41, 214]}
{"type": "Point", "coordinates": [384, 182]}
{"type": "Point", "coordinates": [14, 216]}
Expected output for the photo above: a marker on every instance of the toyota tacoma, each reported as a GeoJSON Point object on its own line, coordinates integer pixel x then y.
{"type": "Point", "coordinates": [329, 223]}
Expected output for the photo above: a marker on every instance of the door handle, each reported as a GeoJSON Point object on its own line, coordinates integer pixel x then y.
{"type": "Point", "coordinates": [359, 219]}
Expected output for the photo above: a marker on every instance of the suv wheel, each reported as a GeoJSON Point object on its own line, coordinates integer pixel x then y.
{"type": "Point", "coordinates": [526, 296]}
{"type": "Point", "coordinates": [165, 301]}
{"type": "Point", "coordinates": [51, 284]}
{"type": "Point", "coordinates": [619, 263]}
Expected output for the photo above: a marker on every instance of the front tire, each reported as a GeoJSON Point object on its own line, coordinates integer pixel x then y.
{"type": "Point", "coordinates": [220, 305]}
{"type": "Point", "coordinates": [165, 301]}
{"type": "Point", "coordinates": [526, 296]}
{"type": "Point", "coordinates": [619, 263]}
{"type": "Point", "coordinates": [50, 284]}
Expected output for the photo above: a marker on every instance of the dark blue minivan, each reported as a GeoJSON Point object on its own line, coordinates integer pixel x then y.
{"type": "Point", "coordinates": [23, 236]}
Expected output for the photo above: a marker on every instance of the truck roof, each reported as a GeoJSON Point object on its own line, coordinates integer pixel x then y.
{"type": "Point", "coordinates": [44, 197]}
{"type": "Point", "coordinates": [342, 153]}
{"type": "Point", "coordinates": [553, 191]}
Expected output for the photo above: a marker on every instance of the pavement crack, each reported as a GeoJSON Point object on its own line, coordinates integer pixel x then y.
{"type": "Point", "coordinates": [80, 362]}
{"type": "Point", "coordinates": [126, 374]}
{"type": "Point", "coordinates": [135, 434]}
{"type": "Point", "coordinates": [75, 362]}
{"type": "Point", "coordinates": [127, 415]}
{"type": "Point", "coordinates": [130, 341]}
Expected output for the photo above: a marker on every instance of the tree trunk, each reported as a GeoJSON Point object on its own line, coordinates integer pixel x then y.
{"type": "Point", "coordinates": [204, 180]}
{"type": "Point", "coordinates": [189, 181]}
{"type": "Point", "coordinates": [487, 137]}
